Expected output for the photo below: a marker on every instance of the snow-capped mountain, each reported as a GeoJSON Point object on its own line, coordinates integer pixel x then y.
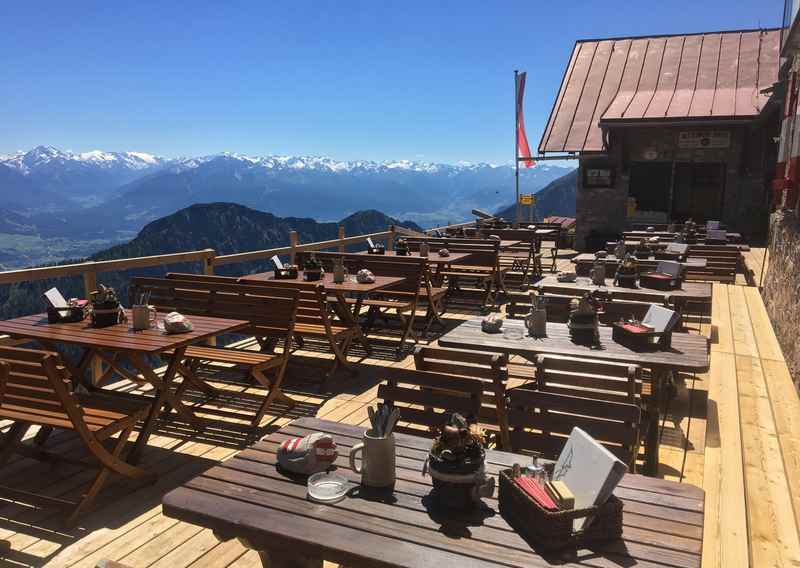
{"type": "Point", "coordinates": [81, 178]}
{"type": "Point", "coordinates": [122, 191]}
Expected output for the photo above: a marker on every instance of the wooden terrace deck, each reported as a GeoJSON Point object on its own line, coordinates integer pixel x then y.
{"type": "Point", "coordinates": [734, 431]}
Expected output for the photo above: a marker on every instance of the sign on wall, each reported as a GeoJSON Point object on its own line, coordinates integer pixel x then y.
{"type": "Point", "coordinates": [526, 199]}
{"type": "Point", "coordinates": [598, 177]}
{"type": "Point", "coordinates": [704, 139]}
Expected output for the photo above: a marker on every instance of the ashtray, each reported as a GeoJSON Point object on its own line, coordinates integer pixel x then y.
{"type": "Point", "coordinates": [327, 487]}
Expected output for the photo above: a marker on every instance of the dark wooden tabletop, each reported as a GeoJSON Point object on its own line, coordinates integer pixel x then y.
{"type": "Point", "coordinates": [246, 497]}
{"type": "Point", "coordinates": [732, 237]}
{"type": "Point", "coordinates": [433, 257]}
{"type": "Point", "coordinates": [120, 337]}
{"type": "Point", "coordinates": [700, 291]}
{"type": "Point", "coordinates": [689, 351]}
{"type": "Point", "coordinates": [589, 258]}
{"type": "Point", "coordinates": [700, 247]}
{"type": "Point", "coordinates": [349, 284]}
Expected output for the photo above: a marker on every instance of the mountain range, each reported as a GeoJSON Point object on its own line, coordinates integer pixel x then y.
{"type": "Point", "coordinates": [57, 204]}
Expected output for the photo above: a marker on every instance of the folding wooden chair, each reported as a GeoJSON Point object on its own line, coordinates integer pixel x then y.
{"type": "Point", "coordinates": [35, 390]}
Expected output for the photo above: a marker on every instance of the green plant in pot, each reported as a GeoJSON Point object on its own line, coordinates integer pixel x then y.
{"type": "Point", "coordinates": [106, 309]}
{"type": "Point", "coordinates": [401, 248]}
{"type": "Point", "coordinates": [312, 268]}
{"type": "Point", "coordinates": [456, 466]}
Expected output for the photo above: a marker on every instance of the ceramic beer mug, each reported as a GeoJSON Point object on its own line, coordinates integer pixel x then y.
{"type": "Point", "coordinates": [377, 467]}
{"type": "Point", "coordinates": [143, 317]}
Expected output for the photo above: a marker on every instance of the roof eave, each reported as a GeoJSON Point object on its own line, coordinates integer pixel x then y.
{"type": "Point", "coordinates": [676, 121]}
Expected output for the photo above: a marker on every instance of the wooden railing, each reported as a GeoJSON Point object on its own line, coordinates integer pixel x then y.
{"type": "Point", "coordinates": [207, 257]}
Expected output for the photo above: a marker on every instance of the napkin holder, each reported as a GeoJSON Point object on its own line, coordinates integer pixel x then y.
{"type": "Point", "coordinates": [640, 338]}
{"type": "Point", "coordinates": [287, 272]}
{"type": "Point", "coordinates": [657, 281]}
{"type": "Point", "coordinates": [554, 530]}
{"type": "Point", "coordinates": [69, 314]}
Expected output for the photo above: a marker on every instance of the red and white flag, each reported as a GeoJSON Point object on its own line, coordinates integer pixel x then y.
{"type": "Point", "coordinates": [523, 150]}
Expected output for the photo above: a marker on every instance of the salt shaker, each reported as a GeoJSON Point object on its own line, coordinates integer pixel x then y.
{"type": "Point", "coordinates": [537, 471]}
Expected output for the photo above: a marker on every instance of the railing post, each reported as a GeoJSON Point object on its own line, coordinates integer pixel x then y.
{"type": "Point", "coordinates": [89, 286]}
{"type": "Point", "coordinates": [293, 244]}
{"type": "Point", "coordinates": [341, 236]}
{"type": "Point", "coordinates": [208, 263]}
{"type": "Point", "coordinates": [390, 238]}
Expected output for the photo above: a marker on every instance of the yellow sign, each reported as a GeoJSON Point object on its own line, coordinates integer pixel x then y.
{"type": "Point", "coordinates": [631, 206]}
{"type": "Point", "coordinates": [527, 199]}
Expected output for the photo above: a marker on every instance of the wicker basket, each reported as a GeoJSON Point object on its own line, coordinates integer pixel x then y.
{"type": "Point", "coordinates": [552, 530]}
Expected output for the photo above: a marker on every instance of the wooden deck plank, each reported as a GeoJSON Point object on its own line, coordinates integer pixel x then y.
{"type": "Point", "coordinates": [771, 524]}
{"type": "Point", "coordinates": [751, 425]}
{"type": "Point", "coordinates": [725, 521]}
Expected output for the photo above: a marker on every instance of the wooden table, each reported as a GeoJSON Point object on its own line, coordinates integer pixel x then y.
{"type": "Point", "coordinates": [700, 247]}
{"type": "Point", "coordinates": [117, 344]}
{"type": "Point", "coordinates": [689, 291]}
{"type": "Point", "coordinates": [247, 498]}
{"type": "Point", "coordinates": [689, 353]}
{"type": "Point", "coordinates": [584, 262]}
{"type": "Point", "coordinates": [340, 291]}
{"type": "Point", "coordinates": [701, 233]}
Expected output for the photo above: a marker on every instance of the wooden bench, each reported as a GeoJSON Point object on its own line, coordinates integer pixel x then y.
{"type": "Point", "coordinates": [271, 313]}
{"type": "Point", "coordinates": [36, 390]}
{"type": "Point", "coordinates": [314, 317]}
{"type": "Point", "coordinates": [541, 422]}
{"type": "Point", "coordinates": [482, 268]}
{"type": "Point", "coordinates": [426, 398]}
{"type": "Point", "coordinates": [490, 368]}
{"type": "Point", "coordinates": [602, 380]}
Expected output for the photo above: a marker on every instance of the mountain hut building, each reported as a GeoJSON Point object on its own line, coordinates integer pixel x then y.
{"type": "Point", "coordinates": [668, 128]}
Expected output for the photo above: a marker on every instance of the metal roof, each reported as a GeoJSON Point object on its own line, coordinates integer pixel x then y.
{"type": "Point", "coordinates": [709, 76]}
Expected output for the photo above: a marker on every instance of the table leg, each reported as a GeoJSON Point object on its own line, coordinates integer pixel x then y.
{"type": "Point", "coordinates": [351, 318]}
{"type": "Point", "coordinates": [652, 442]}
{"type": "Point", "coordinates": [163, 396]}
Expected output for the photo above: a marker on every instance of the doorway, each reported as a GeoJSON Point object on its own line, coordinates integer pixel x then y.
{"type": "Point", "coordinates": [698, 191]}
{"type": "Point", "coordinates": [650, 185]}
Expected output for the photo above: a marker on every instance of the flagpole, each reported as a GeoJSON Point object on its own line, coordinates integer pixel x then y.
{"type": "Point", "coordinates": [516, 145]}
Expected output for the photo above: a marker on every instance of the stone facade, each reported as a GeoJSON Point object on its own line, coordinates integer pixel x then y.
{"type": "Point", "coordinates": [748, 160]}
{"type": "Point", "coordinates": [782, 286]}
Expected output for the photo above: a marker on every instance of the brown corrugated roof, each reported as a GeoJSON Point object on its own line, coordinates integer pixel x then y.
{"type": "Point", "coordinates": [713, 76]}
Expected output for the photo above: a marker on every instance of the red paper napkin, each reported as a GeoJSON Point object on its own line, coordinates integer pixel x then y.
{"type": "Point", "coordinates": [536, 492]}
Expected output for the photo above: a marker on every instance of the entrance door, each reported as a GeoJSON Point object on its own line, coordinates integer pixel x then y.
{"type": "Point", "coordinates": [698, 192]}
{"type": "Point", "coordinates": [649, 185]}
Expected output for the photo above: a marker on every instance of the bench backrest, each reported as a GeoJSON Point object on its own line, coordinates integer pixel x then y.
{"type": "Point", "coordinates": [271, 312]}
{"type": "Point", "coordinates": [541, 422]}
{"type": "Point", "coordinates": [33, 384]}
{"type": "Point", "coordinates": [557, 307]}
{"type": "Point", "coordinates": [483, 252]}
{"type": "Point", "coordinates": [589, 378]}
{"type": "Point", "coordinates": [426, 398]}
{"type": "Point", "coordinates": [490, 368]}
{"type": "Point", "coordinates": [313, 307]}
{"type": "Point", "coordinates": [412, 269]}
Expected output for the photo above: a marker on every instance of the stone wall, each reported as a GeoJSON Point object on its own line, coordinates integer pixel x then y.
{"type": "Point", "coordinates": [782, 286]}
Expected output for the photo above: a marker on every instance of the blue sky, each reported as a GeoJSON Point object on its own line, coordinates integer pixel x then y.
{"type": "Point", "coordinates": [353, 80]}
